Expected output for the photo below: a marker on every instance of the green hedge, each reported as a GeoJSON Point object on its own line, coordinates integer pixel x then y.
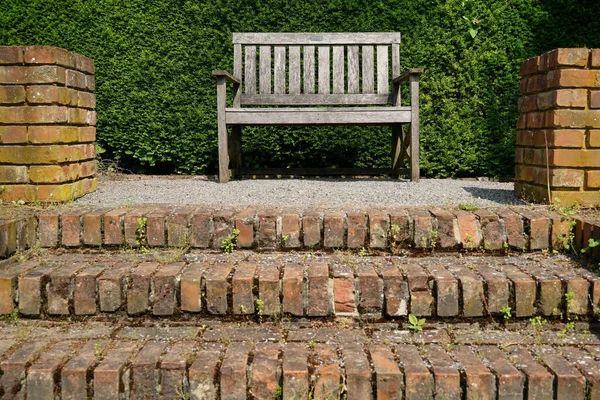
{"type": "Point", "coordinates": [156, 97]}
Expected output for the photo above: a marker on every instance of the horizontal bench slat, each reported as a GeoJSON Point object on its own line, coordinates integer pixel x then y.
{"type": "Point", "coordinates": [318, 116]}
{"type": "Point", "coordinates": [317, 38]}
{"type": "Point", "coordinates": [314, 99]}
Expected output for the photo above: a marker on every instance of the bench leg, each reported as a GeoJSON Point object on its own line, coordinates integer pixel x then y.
{"type": "Point", "coordinates": [396, 149]}
{"type": "Point", "coordinates": [235, 150]}
{"type": "Point", "coordinates": [414, 129]}
{"type": "Point", "coordinates": [222, 128]}
{"type": "Point", "coordinates": [414, 152]}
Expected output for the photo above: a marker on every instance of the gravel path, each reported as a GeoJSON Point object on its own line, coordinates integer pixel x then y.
{"type": "Point", "coordinates": [322, 193]}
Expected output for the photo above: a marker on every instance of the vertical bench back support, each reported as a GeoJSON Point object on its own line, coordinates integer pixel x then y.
{"type": "Point", "coordinates": [316, 68]}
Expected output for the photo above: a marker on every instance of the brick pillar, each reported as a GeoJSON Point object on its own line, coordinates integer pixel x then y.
{"type": "Point", "coordinates": [560, 105]}
{"type": "Point", "coordinates": [47, 118]}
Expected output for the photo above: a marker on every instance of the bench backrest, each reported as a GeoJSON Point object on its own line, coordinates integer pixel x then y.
{"type": "Point", "coordinates": [315, 68]}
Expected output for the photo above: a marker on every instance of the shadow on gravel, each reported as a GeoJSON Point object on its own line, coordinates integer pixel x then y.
{"type": "Point", "coordinates": [501, 196]}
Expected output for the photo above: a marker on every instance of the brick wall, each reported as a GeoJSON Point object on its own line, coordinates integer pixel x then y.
{"type": "Point", "coordinates": [560, 105]}
{"type": "Point", "coordinates": [47, 118]}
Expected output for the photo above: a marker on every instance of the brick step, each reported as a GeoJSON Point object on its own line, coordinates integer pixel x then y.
{"type": "Point", "coordinates": [294, 360]}
{"type": "Point", "coordinates": [498, 229]}
{"type": "Point", "coordinates": [298, 284]}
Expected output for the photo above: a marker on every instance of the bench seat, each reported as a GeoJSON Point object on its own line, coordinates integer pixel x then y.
{"type": "Point", "coordinates": [318, 116]}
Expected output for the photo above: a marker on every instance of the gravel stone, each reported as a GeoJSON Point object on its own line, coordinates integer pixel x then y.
{"type": "Point", "coordinates": [324, 193]}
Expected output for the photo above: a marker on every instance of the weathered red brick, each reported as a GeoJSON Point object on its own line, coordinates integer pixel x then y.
{"type": "Point", "coordinates": [379, 229]}
{"type": "Point", "coordinates": [111, 286]}
{"type": "Point", "coordinates": [569, 382]}
{"type": "Point", "coordinates": [509, 379]}
{"type": "Point", "coordinates": [524, 289]}
{"type": "Point", "coordinates": [143, 370]}
{"type": "Point", "coordinates": [370, 289]}
{"type": "Point", "coordinates": [32, 289]}
{"type": "Point", "coordinates": [178, 232]}
{"type": "Point", "coordinates": [539, 380]}
{"type": "Point", "coordinates": [242, 285]}
{"type": "Point", "coordinates": [333, 231]}
{"type": "Point", "coordinates": [173, 377]}
{"type": "Point", "coordinates": [418, 379]}
{"type": "Point", "coordinates": [529, 66]}
{"type": "Point", "coordinates": [295, 371]}
{"type": "Point", "coordinates": [480, 382]}
{"type": "Point", "coordinates": [245, 222]}
{"type": "Point", "coordinates": [201, 224]}
{"type": "Point", "coordinates": [166, 282]}
{"type": "Point", "coordinates": [318, 290]}
{"type": "Point", "coordinates": [446, 235]}
{"type": "Point", "coordinates": [343, 289]}
{"type": "Point", "coordinates": [191, 287]}
{"type": "Point", "coordinates": [48, 55]}
{"type": "Point", "coordinates": [217, 286]}
{"type": "Point", "coordinates": [74, 374]}
{"type": "Point", "coordinates": [587, 366]}
{"type": "Point", "coordinates": [11, 55]}
{"type": "Point", "coordinates": [357, 230]}
{"type": "Point", "coordinates": [202, 375]}
{"type": "Point", "coordinates": [92, 227]}
{"type": "Point", "coordinates": [421, 298]}
{"type": "Point", "coordinates": [358, 372]}
{"type": "Point", "coordinates": [400, 226]}
{"type": "Point", "coordinates": [155, 228]}
{"type": "Point", "coordinates": [15, 366]}
{"type": "Point", "coordinates": [40, 376]}
{"type": "Point", "coordinates": [569, 118]}
{"type": "Point", "coordinates": [138, 292]}
{"type": "Point", "coordinates": [267, 230]}
{"type": "Point", "coordinates": [491, 230]}
{"type": "Point", "coordinates": [473, 295]}
{"type": "Point", "coordinates": [446, 287]}
{"type": "Point", "coordinates": [327, 375]}
{"type": "Point", "coordinates": [536, 83]}
{"type": "Point", "coordinates": [528, 103]}
{"type": "Point", "coordinates": [9, 284]}
{"type": "Point", "coordinates": [222, 228]}
{"type": "Point", "coordinates": [268, 289]}
{"type": "Point", "coordinates": [423, 228]}
{"type": "Point", "coordinates": [293, 289]}
{"type": "Point", "coordinates": [311, 229]}
{"type": "Point", "coordinates": [12, 94]}
{"type": "Point", "coordinates": [470, 232]}
{"type": "Point", "coordinates": [17, 74]}
{"type": "Point", "coordinates": [113, 227]}
{"type": "Point", "coordinates": [539, 230]}
{"type": "Point", "coordinates": [290, 231]}
{"type": "Point", "coordinates": [233, 371]}
{"type": "Point", "coordinates": [395, 290]}
{"type": "Point", "coordinates": [59, 288]}
{"type": "Point", "coordinates": [71, 228]}
{"type": "Point", "coordinates": [389, 378]}
{"type": "Point", "coordinates": [445, 372]}
{"type": "Point", "coordinates": [13, 134]}
{"type": "Point", "coordinates": [109, 373]}
{"type": "Point", "coordinates": [264, 370]}
{"type": "Point", "coordinates": [84, 289]}
{"type": "Point", "coordinates": [498, 288]}
{"type": "Point", "coordinates": [513, 227]}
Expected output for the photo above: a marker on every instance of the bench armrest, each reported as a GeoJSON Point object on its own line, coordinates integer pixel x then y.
{"type": "Point", "coordinates": [407, 74]}
{"type": "Point", "coordinates": [227, 76]}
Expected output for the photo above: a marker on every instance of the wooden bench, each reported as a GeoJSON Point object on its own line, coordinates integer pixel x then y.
{"type": "Point", "coordinates": [294, 69]}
